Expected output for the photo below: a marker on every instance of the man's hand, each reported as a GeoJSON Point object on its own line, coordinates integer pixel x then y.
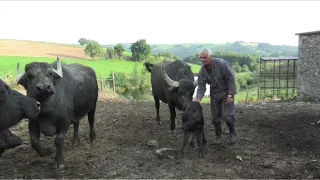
{"type": "Point", "coordinates": [229, 100]}
{"type": "Point", "coordinates": [197, 100]}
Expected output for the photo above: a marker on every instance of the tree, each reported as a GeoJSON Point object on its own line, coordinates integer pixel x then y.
{"type": "Point", "coordinates": [109, 53]}
{"type": "Point", "coordinates": [119, 49]}
{"type": "Point", "coordinates": [236, 67]}
{"type": "Point", "coordinates": [92, 48]}
{"type": "Point", "coordinates": [140, 50]}
{"type": "Point", "coordinates": [245, 68]}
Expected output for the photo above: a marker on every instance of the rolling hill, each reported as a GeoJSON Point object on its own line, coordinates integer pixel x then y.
{"type": "Point", "coordinates": [74, 51]}
{"type": "Point", "coordinates": [262, 49]}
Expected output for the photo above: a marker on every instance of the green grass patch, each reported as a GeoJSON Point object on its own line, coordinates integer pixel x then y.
{"type": "Point", "coordinates": [8, 64]}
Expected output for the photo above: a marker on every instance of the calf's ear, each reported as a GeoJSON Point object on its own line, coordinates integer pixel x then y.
{"type": "Point", "coordinates": [23, 81]}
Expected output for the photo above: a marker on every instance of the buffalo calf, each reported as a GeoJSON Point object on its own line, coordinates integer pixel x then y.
{"type": "Point", "coordinates": [14, 107]}
{"type": "Point", "coordinates": [193, 124]}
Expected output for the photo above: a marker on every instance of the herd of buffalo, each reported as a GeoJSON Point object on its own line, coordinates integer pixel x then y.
{"type": "Point", "coordinates": [58, 95]}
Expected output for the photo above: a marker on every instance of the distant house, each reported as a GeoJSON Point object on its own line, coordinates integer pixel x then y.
{"type": "Point", "coordinates": [308, 76]}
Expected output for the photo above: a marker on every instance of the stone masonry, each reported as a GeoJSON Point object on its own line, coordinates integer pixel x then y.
{"type": "Point", "coordinates": [308, 75]}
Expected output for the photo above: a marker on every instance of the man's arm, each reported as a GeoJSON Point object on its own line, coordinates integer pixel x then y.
{"type": "Point", "coordinates": [230, 78]}
{"type": "Point", "coordinates": [201, 85]}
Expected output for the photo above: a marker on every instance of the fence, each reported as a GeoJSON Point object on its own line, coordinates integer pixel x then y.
{"type": "Point", "coordinates": [103, 83]}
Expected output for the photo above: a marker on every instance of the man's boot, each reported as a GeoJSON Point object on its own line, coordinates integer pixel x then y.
{"type": "Point", "coordinates": [233, 134]}
{"type": "Point", "coordinates": [218, 131]}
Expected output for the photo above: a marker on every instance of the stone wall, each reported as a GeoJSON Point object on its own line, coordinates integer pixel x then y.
{"type": "Point", "coordinates": [308, 75]}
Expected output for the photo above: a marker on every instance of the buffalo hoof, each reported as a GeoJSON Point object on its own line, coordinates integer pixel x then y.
{"type": "Point", "coordinates": [92, 136]}
{"type": "Point", "coordinates": [59, 166]}
{"type": "Point", "coordinates": [76, 144]}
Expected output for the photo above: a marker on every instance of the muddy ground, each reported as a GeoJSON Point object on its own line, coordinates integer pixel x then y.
{"type": "Point", "coordinates": [275, 140]}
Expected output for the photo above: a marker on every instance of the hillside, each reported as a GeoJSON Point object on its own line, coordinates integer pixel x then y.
{"type": "Point", "coordinates": [74, 51]}
{"type": "Point", "coordinates": [262, 49]}
{"type": "Point", "coordinates": [40, 49]}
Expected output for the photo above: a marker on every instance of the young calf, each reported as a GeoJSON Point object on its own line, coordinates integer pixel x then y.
{"type": "Point", "coordinates": [14, 107]}
{"type": "Point", "coordinates": [193, 123]}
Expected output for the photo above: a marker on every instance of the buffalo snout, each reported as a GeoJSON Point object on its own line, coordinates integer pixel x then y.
{"type": "Point", "coordinates": [44, 89]}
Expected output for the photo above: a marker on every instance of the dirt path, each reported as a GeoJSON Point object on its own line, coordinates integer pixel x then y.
{"type": "Point", "coordinates": [274, 141]}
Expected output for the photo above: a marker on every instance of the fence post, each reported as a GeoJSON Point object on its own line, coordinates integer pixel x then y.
{"type": "Point", "coordinates": [114, 83]}
{"type": "Point", "coordinates": [101, 82]}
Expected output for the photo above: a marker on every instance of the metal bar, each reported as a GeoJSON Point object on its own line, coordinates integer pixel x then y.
{"type": "Point", "coordinates": [264, 79]}
{"type": "Point", "coordinates": [279, 78]}
{"type": "Point", "coordinates": [267, 87]}
{"type": "Point", "coordinates": [260, 81]}
{"type": "Point", "coordinates": [287, 78]}
{"type": "Point", "coordinates": [274, 70]}
{"type": "Point", "coordinates": [278, 73]}
{"type": "Point", "coordinates": [294, 75]}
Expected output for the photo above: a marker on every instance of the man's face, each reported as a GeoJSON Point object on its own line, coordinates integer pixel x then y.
{"type": "Point", "coordinates": [205, 59]}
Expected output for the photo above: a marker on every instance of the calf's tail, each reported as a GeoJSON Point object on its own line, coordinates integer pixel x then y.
{"type": "Point", "coordinates": [148, 66]}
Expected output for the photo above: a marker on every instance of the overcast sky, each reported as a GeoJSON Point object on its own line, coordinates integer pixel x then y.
{"type": "Point", "coordinates": [159, 21]}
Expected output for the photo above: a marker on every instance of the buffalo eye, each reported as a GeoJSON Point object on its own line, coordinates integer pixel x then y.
{"type": "Point", "coordinates": [50, 74]}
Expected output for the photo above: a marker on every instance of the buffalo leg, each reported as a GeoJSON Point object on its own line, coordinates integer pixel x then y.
{"type": "Point", "coordinates": [91, 120]}
{"type": "Point", "coordinates": [199, 142]}
{"type": "Point", "coordinates": [192, 141]}
{"type": "Point", "coordinates": [34, 134]}
{"type": "Point", "coordinates": [59, 142]}
{"type": "Point", "coordinates": [172, 117]}
{"type": "Point", "coordinates": [157, 105]}
{"type": "Point", "coordinates": [76, 139]}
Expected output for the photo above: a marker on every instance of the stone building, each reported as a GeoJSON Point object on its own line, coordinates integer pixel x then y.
{"type": "Point", "coordinates": [308, 75]}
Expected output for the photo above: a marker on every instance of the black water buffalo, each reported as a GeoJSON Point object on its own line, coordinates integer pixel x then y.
{"type": "Point", "coordinates": [14, 107]}
{"type": "Point", "coordinates": [193, 124]}
{"type": "Point", "coordinates": [172, 83]}
{"type": "Point", "coordinates": [66, 93]}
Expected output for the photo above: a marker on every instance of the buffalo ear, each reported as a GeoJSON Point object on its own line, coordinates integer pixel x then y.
{"type": "Point", "coordinates": [173, 89]}
{"type": "Point", "coordinates": [23, 81]}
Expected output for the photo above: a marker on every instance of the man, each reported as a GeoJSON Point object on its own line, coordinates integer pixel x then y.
{"type": "Point", "coordinates": [218, 73]}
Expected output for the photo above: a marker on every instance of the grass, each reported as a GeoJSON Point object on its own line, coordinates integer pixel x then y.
{"type": "Point", "coordinates": [8, 64]}
{"type": "Point", "coordinates": [240, 97]}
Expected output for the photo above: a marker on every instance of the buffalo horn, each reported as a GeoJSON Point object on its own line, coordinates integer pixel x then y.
{"type": "Point", "coordinates": [59, 68]}
{"type": "Point", "coordinates": [19, 74]}
{"type": "Point", "coordinates": [168, 79]}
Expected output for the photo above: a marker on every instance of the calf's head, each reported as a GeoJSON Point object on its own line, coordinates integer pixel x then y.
{"type": "Point", "coordinates": [191, 116]}
{"type": "Point", "coordinates": [39, 79]}
{"type": "Point", "coordinates": [184, 88]}
{"type": "Point", "coordinates": [15, 106]}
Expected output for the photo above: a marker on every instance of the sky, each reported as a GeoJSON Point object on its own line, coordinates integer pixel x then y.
{"type": "Point", "coordinates": [159, 22]}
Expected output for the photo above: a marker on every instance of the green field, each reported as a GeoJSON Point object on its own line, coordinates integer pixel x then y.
{"type": "Point", "coordinates": [8, 65]}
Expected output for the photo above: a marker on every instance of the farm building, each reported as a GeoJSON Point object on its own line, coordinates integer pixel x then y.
{"type": "Point", "coordinates": [308, 75]}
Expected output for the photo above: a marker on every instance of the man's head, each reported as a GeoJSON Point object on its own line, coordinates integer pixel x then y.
{"type": "Point", "coordinates": [206, 56]}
